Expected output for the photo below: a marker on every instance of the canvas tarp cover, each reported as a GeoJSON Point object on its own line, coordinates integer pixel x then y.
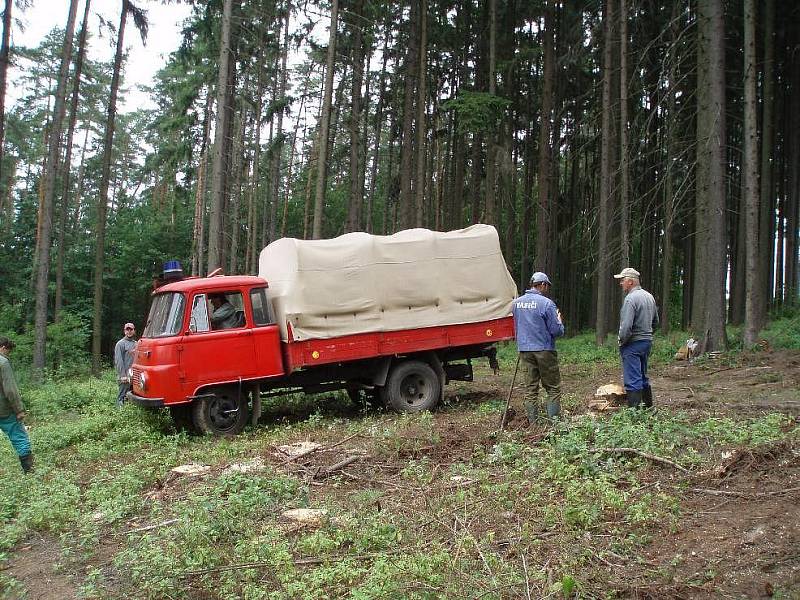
{"type": "Point", "coordinates": [360, 283]}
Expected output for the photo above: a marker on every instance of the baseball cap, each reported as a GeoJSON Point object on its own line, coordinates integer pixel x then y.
{"type": "Point", "coordinates": [627, 272]}
{"type": "Point", "coordinates": [129, 326]}
{"type": "Point", "coordinates": [540, 277]}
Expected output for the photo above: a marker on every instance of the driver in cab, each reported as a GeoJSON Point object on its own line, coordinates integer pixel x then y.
{"type": "Point", "coordinates": [224, 315]}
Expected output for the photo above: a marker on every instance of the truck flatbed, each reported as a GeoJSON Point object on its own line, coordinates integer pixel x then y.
{"type": "Point", "coordinates": [315, 352]}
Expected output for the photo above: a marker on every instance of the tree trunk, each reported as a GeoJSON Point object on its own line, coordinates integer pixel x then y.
{"type": "Point", "coordinates": [238, 163]}
{"type": "Point", "coordinates": [251, 254]}
{"type": "Point", "coordinates": [377, 131]}
{"type": "Point", "coordinates": [102, 201]}
{"type": "Point", "coordinates": [290, 173]}
{"type": "Point", "coordinates": [277, 157]}
{"type": "Point", "coordinates": [490, 214]}
{"type": "Point", "coordinates": [671, 123]}
{"type": "Point", "coordinates": [62, 225]}
{"type": "Point", "coordinates": [48, 201]}
{"type": "Point", "coordinates": [606, 186]}
{"type": "Point", "coordinates": [624, 168]}
{"type": "Point", "coordinates": [218, 175]}
{"type": "Point", "coordinates": [708, 300]}
{"type": "Point", "coordinates": [544, 213]}
{"type": "Point", "coordinates": [324, 128]}
{"type": "Point", "coordinates": [4, 52]}
{"type": "Point", "coordinates": [766, 266]}
{"type": "Point", "coordinates": [406, 203]}
{"type": "Point", "coordinates": [198, 227]}
{"type": "Point", "coordinates": [354, 204]}
{"type": "Point", "coordinates": [752, 282]}
{"type": "Point", "coordinates": [421, 125]}
{"type": "Point", "coordinates": [792, 195]}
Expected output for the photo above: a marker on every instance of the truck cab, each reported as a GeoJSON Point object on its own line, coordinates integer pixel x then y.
{"type": "Point", "coordinates": [205, 340]}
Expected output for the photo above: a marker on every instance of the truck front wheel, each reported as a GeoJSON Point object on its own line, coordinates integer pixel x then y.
{"type": "Point", "coordinates": [224, 411]}
{"type": "Point", "coordinates": [412, 386]}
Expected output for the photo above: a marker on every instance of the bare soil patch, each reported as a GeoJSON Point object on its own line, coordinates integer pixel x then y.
{"type": "Point", "coordinates": [36, 564]}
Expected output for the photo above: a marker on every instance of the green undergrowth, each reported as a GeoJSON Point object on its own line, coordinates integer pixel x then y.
{"type": "Point", "coordinates": [423, 520]}
{"type": "Point", "coordinates": [781, 332]}
{"type": "Point", "coordinates": [582, 349]}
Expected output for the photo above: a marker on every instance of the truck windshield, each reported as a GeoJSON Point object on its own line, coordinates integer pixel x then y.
{"type": "Point", "coordinates": [166, 315]}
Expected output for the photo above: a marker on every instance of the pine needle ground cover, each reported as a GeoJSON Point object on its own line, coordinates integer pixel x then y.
{"type": "Point", "coordinates": [697, 499]}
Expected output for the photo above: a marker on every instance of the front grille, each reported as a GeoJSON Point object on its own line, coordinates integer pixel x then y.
{"type": "Point", "coordinates": [137, 377]}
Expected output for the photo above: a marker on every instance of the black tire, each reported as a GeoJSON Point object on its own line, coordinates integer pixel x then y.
{"type": "Point", "coordinates": [413, 386]}
{"type": "Point", "coordinates": [182, 418]}
{"type": "Point", "coordinates": [223, 413]}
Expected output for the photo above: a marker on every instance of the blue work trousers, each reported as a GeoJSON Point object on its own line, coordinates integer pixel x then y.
{"type": "Point", "coordinates": [17, 433]}
{"type": "Point", "coordinates": [634, 364]}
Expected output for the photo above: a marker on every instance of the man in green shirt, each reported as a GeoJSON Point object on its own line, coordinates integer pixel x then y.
{"type": "Point", "coordinates": [12, 412]}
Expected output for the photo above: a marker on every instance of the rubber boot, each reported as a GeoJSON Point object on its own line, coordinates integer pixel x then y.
{"type": "Point", "coordinates": [634, 398]}
{"type": "Point", "coordinates": [553, 409]}
{"type": "Point", "coordinates": [532, 410]}
{"type": "Point", "coordinates": [647, 397]}
{"type": "Point", "coordinates": [26, 462]}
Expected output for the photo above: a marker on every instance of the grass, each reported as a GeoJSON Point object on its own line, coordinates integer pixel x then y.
{"type": "Point", "coordinates": [103, 474]}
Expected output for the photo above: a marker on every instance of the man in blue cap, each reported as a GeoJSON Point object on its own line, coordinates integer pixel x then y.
{"type": "Point", "coordinates": [537, 324]}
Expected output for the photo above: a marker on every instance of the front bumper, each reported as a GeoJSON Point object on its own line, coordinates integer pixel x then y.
{"type": "Point", "coordinates": [141, 401]}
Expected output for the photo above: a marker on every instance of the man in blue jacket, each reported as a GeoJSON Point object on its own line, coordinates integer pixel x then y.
{"type": "Point", "coordinates": [638, 317]}
{"type": "Point", "coordinates": [537, 324]}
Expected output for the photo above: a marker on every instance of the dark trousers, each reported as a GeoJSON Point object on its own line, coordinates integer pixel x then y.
{"type": "Point", "coordinates": [541, 367]}
{"type": "Point", "coordinates": [124, 388]}
{"type": "Point", "coordinates": [634, 364]}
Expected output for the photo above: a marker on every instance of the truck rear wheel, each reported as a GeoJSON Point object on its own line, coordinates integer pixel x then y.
{"type": "Point", "coordinates": [412, 386]}
{"type": "Point", "coordinates": [223, 412]}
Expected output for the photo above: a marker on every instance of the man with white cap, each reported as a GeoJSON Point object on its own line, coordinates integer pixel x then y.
{"type": "Point", "coordinates": [638, 317]}
{"type": "Point", "coordinates": [537, 324]}
{"type": "Point", "coordinates": [123, 360]}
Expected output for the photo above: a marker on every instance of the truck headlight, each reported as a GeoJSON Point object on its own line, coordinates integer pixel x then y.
{"type": "Point", "coordinates": [142, 381]}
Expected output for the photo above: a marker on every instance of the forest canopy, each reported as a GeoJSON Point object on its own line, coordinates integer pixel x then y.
{"type": "Point", "coordinates": [593, 135]}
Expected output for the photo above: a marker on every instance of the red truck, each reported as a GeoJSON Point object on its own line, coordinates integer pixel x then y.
{"type": "Point", "coordinates": [394, 316]}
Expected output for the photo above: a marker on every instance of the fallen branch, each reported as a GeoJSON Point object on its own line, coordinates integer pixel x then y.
{"type": "Point", "coordinates": [252, 565]}
{"type": "Point", "coordinates": [340, 465]}
{"type": "Point", "coordinates": [156, 526]}
{"type": "Point", "coordinates": [319, 449]}
{"type": "Point", "coordinates": [527, 579]}
{"type": "Point", "coordinates": [323, 560]}
{"type": "Point", "coordinates": [742, 494]}
{"type": "Point", "coordinates": [637, 452]}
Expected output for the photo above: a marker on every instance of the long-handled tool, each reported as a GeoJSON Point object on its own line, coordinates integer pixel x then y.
{"type": "Point", "coordinates": [508, 399]}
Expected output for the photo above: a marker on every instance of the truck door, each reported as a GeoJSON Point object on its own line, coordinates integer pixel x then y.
{"type": "Point", "coordinates": [217, 349]}
{"type": "Point", "coordinates": [266, 334]}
